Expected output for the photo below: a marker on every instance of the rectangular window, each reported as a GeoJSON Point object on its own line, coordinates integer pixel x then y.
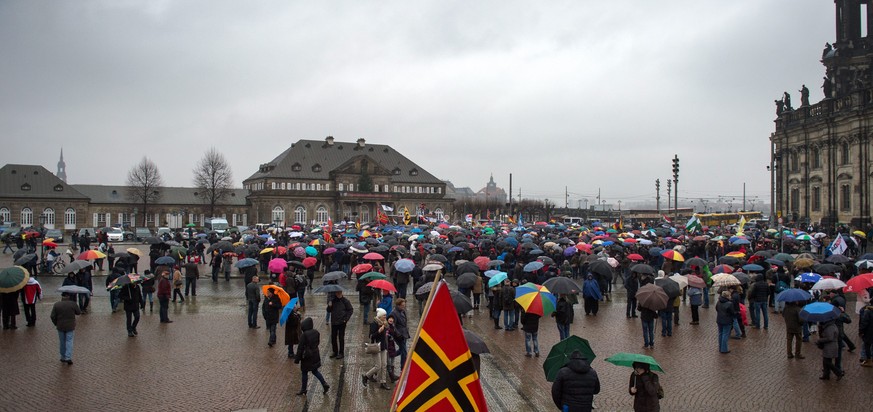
{"type": "Point", "coordinates": [351, 187]}
{"type": "Point", "coordinates": [385, 188]}
{"type": "Point", "coordinates": [339, 186]}
{"type": "Point", "coordinates": [101, 220]}
{"type": "Point", "coordinates": [795, 200]}
{"type": "Point", "coordinates": [845, 197]}
{"type": "Point", "coordinates": [816, 198]}
{"type": "Point", "coordinates": [375, 188]}
{"type": "Point", "coordinates": [283, 186]}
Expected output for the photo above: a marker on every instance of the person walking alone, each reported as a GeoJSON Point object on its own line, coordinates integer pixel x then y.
{"type": "Point", "coordinates": [272, 306]}
{"type": "Point", "coordinates": [63, 316]}
{"type": "Point", "coordinates": [29, 295]}
{"type": "Point", "coordinates": [253, 299]}
{"type": "Point", "coordinates": [164, 296]}
{"type": "Point", "coordinates": [131, 295]}
{"type": "Point", "coordinates": [725, 316]}
{"type": "Point", "coordinates": [340, 312]}
{"type": "Point", "coordinates": [308, 356]}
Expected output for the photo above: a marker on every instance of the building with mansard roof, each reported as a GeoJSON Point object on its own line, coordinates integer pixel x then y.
{"type": "Point", "coordinates": [316, 180]}
{"type": "Point", "coordinates": [820, 163]}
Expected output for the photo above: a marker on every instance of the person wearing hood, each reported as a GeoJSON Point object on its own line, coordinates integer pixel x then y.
{"type": "Point", "coordinates": [29, 295]}
{"type": "Point", "coordinates": [575, 385]}
{"type": "Point", "coordinates": [828, 342]}
{"type": "Point", "coordinates": [725, 320]}
{"type": "Point", "coordinates": [308, 356]}
{"type": "Point", "coordinates": [645, 388]}
{"type": "Point", "coordinates": [592, 295]}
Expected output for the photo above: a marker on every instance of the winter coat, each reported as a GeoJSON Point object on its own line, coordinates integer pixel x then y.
{"type": "Point", "coordinates": [308, 355]}
{"type": "Point", "coordinates": [647, 314]}
{"type": "Point", "coordinates": [865, 326]}
{"type": "Point", "coordinates": [164, 290]}
{"type": "Point", "coordinates": [791, 314]}
{"type": "Point", "coordinates": [131, 295]}
{"type": "Point", "coordinates": [564, 312]}
{"type": "Point", "coordinates": [591, 289]}
{"type": "Point", "coordinates": [387, 303]}
{"type": "Point", "coordinates": [828, 340]}
{"type": "Point", "coordinates": [340, 311]}
{"type": "Point", "coordinates": [530, 322]}
{"type": "Point", "coordinates": [292, 329]}
{"type": "Point", "coordinates": [477, 287]}
{"type": "Point", "coordinates": [253, 292]}
{"type": "Point", "coordinates": [377, 336]}
{"type": "Point", "coordinates": [695, 296]}
{"type": "Point", "coordinates": [271, 308]}
{"type": "Point", "coordinates": [507, 297]}
{"type": "Point", "coordinates": [9, 303]}
{"type": "Point", "coordinates": [63, 315]}
{"type": "Point", "coordinates": [192, 271]}
{"type": "Point", "coordinates": [401, 324]}
{"type": "Point", "coordinates": [575, 385]}
{"type": "Point", "coordinates": [646, 398]}
{"type": "Point", "coordinates": [760, 291]}
{"type": "Point", "coordinates": [725, 311]}
{"type": "Point", "coordinates": [31, 292]}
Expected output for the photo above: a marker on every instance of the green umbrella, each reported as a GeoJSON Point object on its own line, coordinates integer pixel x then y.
{"type": "Point", "coordinates": [372, 276]}
{"type": "Point", "coordinates": [560, 354]}
{"type": "Point", "coordinates": [628, 359]}
{"type": "Point", "coordinates": [13, 279]}
{"type": "Point", "coordinates": [784, 257]}
{"type": "Point", "coordinates": [178, 252]}
{"type": "Point", "coordinates": [190, 225]}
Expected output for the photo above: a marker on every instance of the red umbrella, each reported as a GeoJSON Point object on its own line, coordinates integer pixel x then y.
{"type": "Point", "coordinates": [91, 255]}
{"type": "Point", "coordinates": [309, 262]}
{"type": "Point", "coordinates": [482, 262]}
{"type": "Point", "coordinates": [630, 240]}
{"type": "Point", "coordinates": [281, 250]}
{"type": "Point", "coordinates": [673, 255]}
{"type": "Point", "coordinates": [859, 283]}
{"type": "Point", "coordinates": [362, 268]}
{"type": "Point", "coordinates": [49, 244]}
{"type": "Point", "coordinates": [634, 257]}
{"type": "Point", "coordinates": [373, 256]}
{"type": "Point", "coordinates": [382, 284]}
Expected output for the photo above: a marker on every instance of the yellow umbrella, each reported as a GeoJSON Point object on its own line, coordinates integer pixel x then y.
{"type": "Point", "coordinates": [266, 250]}
{"type": "Point", "coordinates": [859, 233]}
{"type": "Point", "coordinates": [134, 251]}
{"type": "Point", "coordinates": [238, 243]}
{"type": "Point", "coordinates": [737, 254]}
{"type": "Point", "coordinates": [48, 239]}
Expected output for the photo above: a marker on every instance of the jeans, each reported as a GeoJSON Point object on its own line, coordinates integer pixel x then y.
{"type": "Point", "coordinates": [365, 312]}
{"type": "Point", "coordinates": [304, 382]}
{"type": "Point", "coordinates": [528, 337]}
{"type": "Point", "coordinates": [148, 296]}
{"type": "Point", "coordinates": [806, 331]}
{"type": "Point", "coordinates": [508, 319]}
{"type": "Point", "coordinates": [66, 344]}
{"type": "Point", "coordinates": [338, 338]}
{"type": "Point", "coordinates": [191, 286]}
{"type": "Point", "coordinates": [649, 332]}
{"type": "Point", "coordinates": [401, 351]}
{"type": "Point", "coordinates": [84, 300]}
{"type": "Point", "coordinates": [706, 297]}
{"type": "Point", "coordinates": [757, 309]}
{"type": "Point", "coordinates": [631, 306]}
{"type": "Point", "coordinates": [272, 328]}
{"type": "Point", "coordinates": [564, 330]}
{"type": "Point", "coordinates": [724, 333]}
{"type": "Point", "coordinates": [113, 299]}
{"type": "Point", "coordinates": [253, 313]}
{"type": "Point", "coordinates": [132, 319]}
{"type": "Point", "coordinates": [666, 322]}
{"type": "Point", "coordinates": [164, 303]}
{"type": "Point", "coordinates": [778, 306]}
{"type": "Point", "coordinates": [737, 327]}
{"type": "Point", "coordinates": [300, 293]}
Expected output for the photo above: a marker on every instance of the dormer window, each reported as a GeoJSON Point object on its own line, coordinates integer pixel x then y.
{"type": "Point", "coordinates": [316, 168]}
{"type": "Point", "coordinates": [25, 187]}
{"type": "Point", "coordinates": [396, 171]}
{"type": "Point", "coordinates": [296, 167]}
{"type": "Point", "coordinates": [413, 172]}
{"type": "Point", "coordinates": [59, 188]}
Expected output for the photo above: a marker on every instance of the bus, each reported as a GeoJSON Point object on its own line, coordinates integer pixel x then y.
{"type": "Point", "coordinates": [724, 219]}
{"type": "Point", "coordinates": [215, 224]}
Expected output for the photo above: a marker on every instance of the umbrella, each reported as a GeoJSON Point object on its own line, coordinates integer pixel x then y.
{"type": "Point", "coordinates": [13, 278]}
{"type": "Point", "coordinates": [680, 279]}
{"type": "Point", "coordinates": [369, 276]}
{"type": "Point", "coordinates": [283, 296]}
{"type": "Point", "coordinates": [362, 268]}
{"type": "Point", "coordinates": [601, 268]}
{"type": "Point", "coordinates": [165, 260]}
{"type": "Point", "coordinates": [48, 243]}
{"type": "Point", "coordinates": [859, 233]}
{"type": "Point", "coordinates": [221, 245]}
{"type": "Point", "coordinates": [277, 265]}
{"type": "Point", "coordinates": [467, 280]}
{"type": "Point", "coordinates": [729, 260]}
{"type": "Point", "coordinates": [329, 251]}
{"type": "Point", "coordinates": [247, 262]}
{"type": "Point", "coordinates": [286, 311]}
{"type": "Point", "coordinates": [309, 262]}
{"type": "Point", "coordinates": [467, 267]}
{"type": "Point", "coordinates": [829, 284]}
{"type": "Point", "coordinates": [266, 250]}
{"type": "Point", "coordinates": [864, 264]}
{"type": "Point", "coordinates": [134, 251]}
{"type": "Point", "coordinates": [461, 302]}
{"type": "Point", "coordinates": [723, 269]}
{"type": "Point", "coordinates": [695, 281]}
{"type": "Point", "coordinates": [311, 251]}
{"type": "Point", "coordinates": [73, 289]}
{"type": "Point", "coordinates": [178, 252]}
{"type": "Point", "coordinates": [808, 277]}
{"type": "Point", "coordinates": [126, 280]}
{"type": "Point", "coordinates": [725, 279]}
{"type": "Point", "coordinates": [91, 255]}
{"type": "Point", "coordinates": [152, 240]}
{"type": "Point", "coordinates": [533, 266]}
{"type": "Point", "coordinates": [753, 268]}
{"type": "Point", "coordinates": [634, 257]}
{"type": "Point", "coordinates": [628, 359]}
{"type": "Point", "coordinates": [495, 263]}
{"type": "Point", "coordinates": [837, 259]}
{"type": "Point", "coordinates": [535, 299]}
{"type": "Point", "coordinates": [643, 268]}
{"type": "Point", "coordinates": [859, 283]}
{"type": "Point", "coordinates": [652, 296]}
{"type": "Point", "coordinates": [560, 285]}
{"type": "Point", "coordinates": [794, 295]}
{"type": "Point", "coordinates": [299, 252]}
{"type": "Point", "coordinates": [404, 265]}
{"type": "Point", "coordinates": [496, 279]}
{"type": "Point", "coordinates": [328, 289]}
{"type": "Point", "coordinates": [695, 261]}
{"type": "Point", "coordinates": [547, 260]}
{"type": "Point", "coordinates": [482, 262]}
{"type": "Point", "coordinates": [560, 353]}
{"type": "Point", "coordinates": [423, 290]}
{"type": "Point", "coordinates": [784, 257]}
{"type": "Point", "coordinates": [803, 263]}
{"type": "Point", "coordinates": [382, 284]}
{"type": "Point", "coordinates": [25, 259]}
{"type": "Point", "coordinates": [819, 312]}
{"type": "Point", "coordinates": [673, 255]}
{"type": "Point", "coordinates": [827, 268]}
{"type": "Point", "coordinates": [775, 262]}
{"type": "Point", "coordinates": [475, 343]}
{"type": "Point", "coordinates": [332, 276]}
{"type": "Point", "coordinates": [432, 267]}
{"type": "Point", "coordinates": [670, 286]}
{"type": "Point", "coordinates": [373, 256]}
{"type": "Point", "coordinates": [76, 266]}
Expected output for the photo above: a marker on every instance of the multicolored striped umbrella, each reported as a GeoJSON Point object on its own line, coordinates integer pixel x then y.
{"type": "Point", "coordinates": [536, 299]}
{"type": "Point", "coordinates": [673, 255]}
{"type": "Point", "coordinates": [91, 255]}
{"type": "Point", "coordinates": [13, 279]}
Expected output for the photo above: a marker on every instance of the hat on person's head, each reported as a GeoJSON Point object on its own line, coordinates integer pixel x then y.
{"type": "Point", "coordinates": [578, 355]}
{"type": "Point", "coordinates": [381, 312]}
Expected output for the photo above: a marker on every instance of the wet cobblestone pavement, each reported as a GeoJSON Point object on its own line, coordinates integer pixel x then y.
{"type": "Point", "coordinates": [209, 360]}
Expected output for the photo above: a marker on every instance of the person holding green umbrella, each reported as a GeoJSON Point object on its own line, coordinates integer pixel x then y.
{"type": "Point", "coordinates": [645, 388]}
{"type": "Point", "coordinates": [576, 384]}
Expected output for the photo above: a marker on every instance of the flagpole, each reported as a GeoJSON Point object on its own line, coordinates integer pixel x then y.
{"type": "Point", "coordinates": [405, 371]}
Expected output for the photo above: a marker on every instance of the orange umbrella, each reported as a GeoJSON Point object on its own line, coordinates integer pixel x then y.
{"type": "Point", "coordinates": [283, 296]}
{"type": "Point", "coordinates": [47, 243]}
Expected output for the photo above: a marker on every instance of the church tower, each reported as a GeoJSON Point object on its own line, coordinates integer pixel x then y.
{"type": "Point", "coordinates": [62, 168]}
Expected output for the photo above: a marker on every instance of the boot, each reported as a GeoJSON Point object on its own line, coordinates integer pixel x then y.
{"type": "Point", "coordinates": [391, 374]}
{"type": "Point", "coordinates": [151, 306]}
{"type": "Point", "coordinates": [497, 324]}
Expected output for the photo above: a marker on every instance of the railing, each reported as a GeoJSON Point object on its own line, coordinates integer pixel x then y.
{"type": "Point", "coordinates": [856, 100]}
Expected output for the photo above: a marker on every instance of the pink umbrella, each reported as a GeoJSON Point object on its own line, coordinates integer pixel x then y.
{"type": "Point", "coordinates": [277, 265]}
{"type": "Point", "coordinates": [373, 256]}
{"type": "Point", "coordinates": [300, 252]}
{"type": "Point", "coordinates": [329, 250]}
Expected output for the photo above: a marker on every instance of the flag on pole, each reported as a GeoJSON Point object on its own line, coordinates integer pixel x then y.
{"type": "Point", "coordinates": [381, 216]}
{"type": "Point", "coordinates": [387, 208]}
{"type": "Point", "coordinates": [693, 224]}
{"type": "Point", "coordinates": [741, 225]}
{"type": "Point", "coordinates": [667, 220]}
{"type": "Point", "coordinates": [439, 374]}
{"type": "Point", "coordinates": [838, 246]}
{"type": "Point", "coordinates": [406, 217]}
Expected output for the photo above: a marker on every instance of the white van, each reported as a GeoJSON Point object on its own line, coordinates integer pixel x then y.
{"type": "Point", "coordinates": [217, 224]}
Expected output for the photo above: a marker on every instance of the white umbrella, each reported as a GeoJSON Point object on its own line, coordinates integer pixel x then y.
{"type": "Point", "coordinates": [725, 279]}
{"type": "Point", "coordinates": [681, 280]}
{"type": "Point", "coordinates": [829, 284]}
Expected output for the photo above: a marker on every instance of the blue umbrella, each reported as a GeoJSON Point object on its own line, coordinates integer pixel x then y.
{"type": "Point", "coordinates": [286, 311]}
{"type": "Point", "coordinates": [247, 262]}
{"type": "Point", "coordinates": [496, 279]}
{"type": "Point", "coordinates": [511, 241]}
{"type": "Point", "coordinates": [819, 312]}
{"type": "Point", "coordinates": [404, 265]}
{"type": "Point", "coordinates": [533, 266]}
{"type": "Point", "coordinates": [264, 236]}
{"type": "Point", "coordinates": [741, 241]}
{"type": "Point", "coordinates": [753, 268]}
{"type": "Point", "coordinates": [808, 277]}
{"type": "Point", "coordinates": [165, 260]}
{"type": "Point", "coordinates": [536, 252]}
{"type": "Point", "coordinates": [794, 295]}
{"type": "Point", "coordinates": [655, 251]}
{"type": "Point", "coordinates": [491, 273]}
{"type": "Point", "coordinates": [350, 235]}
{"type": "Point", "coordinates": [776, 262]}
{"type": "Point", "coordinates": [416, 230]}
{"type": "Point", "coordinates": [456, 249]}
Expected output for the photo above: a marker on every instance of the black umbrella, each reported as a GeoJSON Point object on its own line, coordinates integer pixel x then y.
{"type": "Point", "coordinates": [601, 268]}
{"type": "Point", "coordinates": [695, 261]}
{"type": "Point", "coordinates": [837, 259]}
{"type": "Point", "coordinates": [560, 285]}
{"type": "Point", "coordinates": [329, 288]}
{"type": "Point", "coordinates": [546, 260]}
{"type": "Point", "coordinates": [25, 259]}
{"type": "Point", "coordinates": [172, 243]}
{"type": "Point", "coordinates": [437, 257]}
{"type": "Point", "coordinates": [467, 267]}
{"type": "Point", "coordinates": [19, 253]}
{"type": "Point", "coordinates": [475, 343]}
{"type": "Point", "coordinates": [671, 288]}
{"type": "Point", "coordinates": [222, 245]}
{"type": "Point", "coordinates": [422, 292]}
{"type": "Point", "coordinates": [643, 268]}
{"type": "Point", "coordinates": [165, 260]}
{"type": "Point", "coordinates": [152, 240]}
{"type": "Point", "coordinates": [827, 268]}
{"type": "Point", "coordinates": [467, 280]}
{"type": "Point", "coordinates": [76, 266]}
{"type": "Point", "coordinates": [462, 303]}
{"type": "Point", "coordinates": [331, 276]}
{"type": "Point", "coordinates": [655, 251]}
{"type": "Point", "coordinates": [728, 260]}
{"type": "Point", "coordinates": [495, 263]}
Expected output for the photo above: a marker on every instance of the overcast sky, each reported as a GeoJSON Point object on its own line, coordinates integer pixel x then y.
{"type": "Point", "coordinates": [584, 94]}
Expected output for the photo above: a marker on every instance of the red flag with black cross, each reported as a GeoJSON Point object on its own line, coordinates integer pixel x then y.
{"type": "Point", "coordinates": [439, 374]}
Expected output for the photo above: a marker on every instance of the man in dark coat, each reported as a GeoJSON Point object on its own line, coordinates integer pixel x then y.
{"type": "Point", "coordinates": [575, 386]}
{"type": "Point", "coordinates": [793, 328]}
{"type": "Point", "coordinates": [340, 312]}
{"type": "Point", "coordinates": [192, 272]}
{"type": "Point", "coordinates": [131, 295]}
{"type": "Point", "coordinates": [271, 308]}
{"type": "Point", "coordinates": [63, 316]}
{"type": "Point", "coordinates": [563, 315]}
{"type": "Point", "coordinates": [308, 356]}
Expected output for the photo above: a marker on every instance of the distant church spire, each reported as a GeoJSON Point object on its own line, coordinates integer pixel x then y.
{"type": "Point", "coordinates": [62, 168]}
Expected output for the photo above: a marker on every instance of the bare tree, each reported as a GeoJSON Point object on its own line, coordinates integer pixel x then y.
{"type": "Point", "coordinates": [213, 179]}
{"type": "Point", "coordinates": [143, 182]}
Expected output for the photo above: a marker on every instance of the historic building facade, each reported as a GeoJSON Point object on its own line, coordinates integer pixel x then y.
{"type": "Point", "coordinates": [820, 165]}
{"type": "Point", "coordinates": [313, 181]}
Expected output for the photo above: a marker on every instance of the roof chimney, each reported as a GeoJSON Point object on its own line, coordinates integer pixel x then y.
{"type": "Point", "coordinates": [328, 140]}
{"type": "Point", "coordinates": [361, 142]}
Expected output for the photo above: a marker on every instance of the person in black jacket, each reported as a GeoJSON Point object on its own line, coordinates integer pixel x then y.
{"type": "Point", "coordinates": [308, 356]}
{"type": "Point", "coordinates": [272, 306]}
{"type": "Point", "coordinates": [575, 385]}
{"type": "Point", "coordinates": [131, 295]}
{"type": "Point", "coordinates": [563, 315]}
{"type": "Point", "coordinates": [340, 312]}
{"type": "Point", "coordinates": [530, 324]}
{"type": "Point", "coordinates": [725, 319]}
{"type": "Point", "coordinates": [758, 300]}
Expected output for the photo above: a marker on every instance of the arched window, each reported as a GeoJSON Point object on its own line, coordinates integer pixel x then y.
{"type": "Point", "coordinates": [278, 214]}
{"type": "Point", "coordinates": [439, 213]}
{"type": "Point", "coordinates": [49, 216]}
{"type": "Point", "coordinates": [5, 216]}
{"type": "Point", "coordinates": [70, 216]}
{"type": "Point", "coordinates": [300, 215]}
{"type": "Point", "coordinates": [321, 215]}
{"type": "Point", "coordinates": [26, 217]}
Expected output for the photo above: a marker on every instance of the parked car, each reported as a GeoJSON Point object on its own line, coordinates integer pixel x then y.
{"type": "Point", "coordinates": [162, 230]}
{"type": "Point", "coordinates": [56, 234]}
{"type": "Point", "coordinates": [141, 233]}
{"type": "Point", "coordinates": [92, 233]}
{"type": "Point", "coordinates": [114, 234]}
